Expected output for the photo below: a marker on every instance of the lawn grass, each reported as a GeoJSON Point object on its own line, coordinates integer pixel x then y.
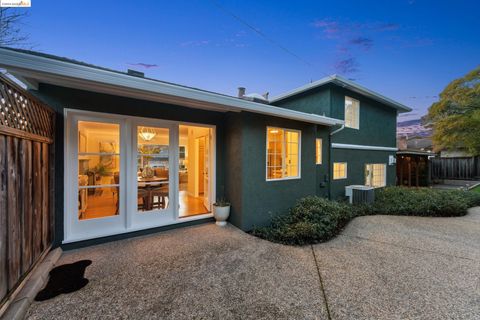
{"type": "Point", "coordinates": [476, 189]}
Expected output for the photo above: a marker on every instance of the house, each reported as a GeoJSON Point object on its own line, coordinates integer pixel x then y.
{"type": "Point", "coordinates": [136, 155]}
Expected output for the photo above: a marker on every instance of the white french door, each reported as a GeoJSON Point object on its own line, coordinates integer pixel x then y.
{"type": "Point", "coordinates": [124, 174]}
{"type": "Point", "coordinates": [95, 173]}
{"type": "Point", "coordinates": [154, 155]}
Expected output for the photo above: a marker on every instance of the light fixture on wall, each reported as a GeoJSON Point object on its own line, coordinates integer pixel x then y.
{"type": "Point", "coordinates": [274, 131]}
{"type": "Point", "coordinates": [147, 133]}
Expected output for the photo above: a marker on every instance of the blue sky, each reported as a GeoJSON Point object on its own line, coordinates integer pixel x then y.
{"type": "Point", "coordinates": [408, 50]}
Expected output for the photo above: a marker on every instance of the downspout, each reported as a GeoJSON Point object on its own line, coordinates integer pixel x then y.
{"type": "Point", "coordinates": [330, 168]}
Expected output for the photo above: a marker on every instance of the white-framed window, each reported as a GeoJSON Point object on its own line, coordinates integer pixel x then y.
{"type": "Point", "coordinates": [339, 170]}
{"type": "Point", "coordinates": [376, 175]}
{"type": "Point", "coordinates": [352, 113]}
{"type": "Point", "coordinates": [283, 153]}
{"type": "Point", "coordinates": [318, 151]}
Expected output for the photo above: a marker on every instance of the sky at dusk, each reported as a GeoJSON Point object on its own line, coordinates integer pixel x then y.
{"type": "Point", "coordinates": [408, 50]}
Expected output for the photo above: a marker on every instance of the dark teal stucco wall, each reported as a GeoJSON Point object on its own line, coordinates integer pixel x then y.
{"type": "Point", "coordinates": [378, 123]}
{"type": "Point", "coordinates": [234, 157]}
{"type": "Point", "coordinates": [316, 101]}
{"type": "Point", "coordinates": [261, 200]}
{"type": "Point", "coordinates": [356, 160]}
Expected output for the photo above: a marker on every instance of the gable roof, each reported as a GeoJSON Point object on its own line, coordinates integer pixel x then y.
{"type": "Point", "coordinates": [342, 82]}
{"type": "Point", "coordinates": [36, 67]}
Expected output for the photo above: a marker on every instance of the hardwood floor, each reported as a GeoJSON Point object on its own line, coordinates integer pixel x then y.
{"type": "Point", "coordinates": [190, 206]}
{"type": "Point", "coordinates": [103, 204]}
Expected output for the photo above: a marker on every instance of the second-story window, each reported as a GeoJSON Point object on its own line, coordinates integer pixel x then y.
{"type": "Point", "coordinates": [352, 113]}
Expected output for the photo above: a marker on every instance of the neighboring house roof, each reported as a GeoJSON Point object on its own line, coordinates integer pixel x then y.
{"type": "Point", "coordinates": [415, 152]}
{"type": "Point", "coordinates": [44, 68]}
{"type": "Point", "coordinates": [340, 81]}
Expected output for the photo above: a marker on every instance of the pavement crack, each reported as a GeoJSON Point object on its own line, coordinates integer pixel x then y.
{"type": "Point", "coordinates": [322, 288]}
{"type": "Point", "coordinates": [408, 247]}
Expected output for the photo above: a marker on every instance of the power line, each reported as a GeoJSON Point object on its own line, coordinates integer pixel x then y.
{"type": "Point", "coordinates": [261, 34]}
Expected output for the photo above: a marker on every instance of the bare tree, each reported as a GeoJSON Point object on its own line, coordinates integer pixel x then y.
{"type": "Point", "coordinates": [11, 33]}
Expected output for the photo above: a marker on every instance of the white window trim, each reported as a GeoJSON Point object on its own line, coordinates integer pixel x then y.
{"type": "Point", "coordinates": [345, 113]}
{"type": "Point", "coordinates": [346, 171]}
{"type": "Point", "coordinates": [299, 154]}
{"type": "Point", "coordinates": [321, 151]}
{"type": "Point", "coordinates": [384, 174]}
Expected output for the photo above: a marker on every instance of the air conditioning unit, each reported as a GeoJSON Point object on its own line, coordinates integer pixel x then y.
{"type": "Point", "coordinates": [358, 194]}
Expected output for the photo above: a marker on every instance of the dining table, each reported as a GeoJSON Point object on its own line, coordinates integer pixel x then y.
{"type": "Point", "coordinates": [148, 184]}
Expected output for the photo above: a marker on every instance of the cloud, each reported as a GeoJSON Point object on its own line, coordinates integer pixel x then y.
{"type": "Point", "coordinates": [346, 66]}
{"type": "Point", "coordinates": [195, 43]}
{"type": "Point", "coordinates": [363, 42]}
{"type": "Point", "coordinates": [143, 65]}
{"type": "Point", "coordinates": [330, 28]}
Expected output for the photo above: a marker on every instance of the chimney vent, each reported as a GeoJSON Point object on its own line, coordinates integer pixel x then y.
{"type": "Point", "coordinates": [241, 92]}
{"type": "Point", "coordinates": [135, 73]}
{"type": "Point", "coordinates": [265, 95]}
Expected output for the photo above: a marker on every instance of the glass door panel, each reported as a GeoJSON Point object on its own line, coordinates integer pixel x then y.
{"type": "Point", "coordinates": [153, 169]}
{"type": "Point", "coordinates": [194, 167]}
{"type": "Point", "coordinates": [98, 169]}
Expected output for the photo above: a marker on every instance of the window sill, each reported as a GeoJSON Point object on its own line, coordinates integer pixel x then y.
{"type": "Point", "coordinates": [283, 179]}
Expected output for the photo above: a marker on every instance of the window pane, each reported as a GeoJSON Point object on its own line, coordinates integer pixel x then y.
{"type": "Point", "coordinates": [275, 145]}
{"type": "Point", "coordinates": [98, 169]}
{"type": "Point", "coordinates": [99, 166]}
{"type": "Point", "coordinates": [98, 137]}
{"type": "Point", "coordinates": [152, 168]}
{"type": "Point", "coordinates": [375, 175]}
{"type": "Point", "coordinates": [352, 113]}
{"type": "Point", "coordinates": [98, 202]}
{"type": "Point", "coordinates": [339, 170]}
{"type": "Point", "coordinates": [318, 154]}
{"type": "Point", "coordinates": [282, 153]}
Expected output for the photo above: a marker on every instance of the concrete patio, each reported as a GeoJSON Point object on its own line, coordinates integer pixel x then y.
{"type": "Point", "coordinates": [380, 267]}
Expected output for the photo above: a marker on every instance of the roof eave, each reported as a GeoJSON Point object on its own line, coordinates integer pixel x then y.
{"type": "Point", "coordinates": [340, 81]}
{"type": "Point", "coordinates": [72, 75]}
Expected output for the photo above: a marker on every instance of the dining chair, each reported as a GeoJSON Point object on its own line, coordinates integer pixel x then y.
{"type": "Point", "coordinates": [143, 196]}
{"type": "Point", "coordinates": [159, 196]}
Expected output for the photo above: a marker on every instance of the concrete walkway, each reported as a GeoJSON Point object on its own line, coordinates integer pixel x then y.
{"type": "Point", "coordinates": [380, 267]}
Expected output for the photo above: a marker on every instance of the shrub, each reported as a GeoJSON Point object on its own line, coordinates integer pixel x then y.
{"type": "Point", "coordinates": [315, 219]}
{"type": "Point", "coordinates": [421, 202]}
{"type": "Point", "coordinates": [311, 220]}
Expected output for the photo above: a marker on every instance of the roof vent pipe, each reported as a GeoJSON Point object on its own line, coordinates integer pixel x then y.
{"type": "Point", "coordinates": [241, 92]}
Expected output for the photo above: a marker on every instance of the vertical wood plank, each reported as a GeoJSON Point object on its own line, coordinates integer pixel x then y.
{"type": "Point", "coordinates": [37, 200]}
{"type": "Point", "coordinates": [3, 218]}
{"type": "Point", "coordinates": [51, 192]}
{"type": "Point", "coordinates": [45, 196]}
{"type": "Point", "coordinates": [13, 204]}
{"type": "Point", "coordinates": [27, 211]}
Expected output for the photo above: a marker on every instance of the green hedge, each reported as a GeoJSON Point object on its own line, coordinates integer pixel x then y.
{"type": "Point", "coordinates": [315, 219]}
{"type": "Point", "coordinates": [421, 202]}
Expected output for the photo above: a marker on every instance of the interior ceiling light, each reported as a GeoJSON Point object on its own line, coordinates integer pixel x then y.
{"type": "Point", "coordinates": [147, 133]}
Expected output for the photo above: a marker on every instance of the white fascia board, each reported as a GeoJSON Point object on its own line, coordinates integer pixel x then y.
{"type": "Point", "coordinates": [361, 147]}
{"type": "Point", "coordinates": [74, 75]}
{"type": "Point", "coordinates": [347, 84]}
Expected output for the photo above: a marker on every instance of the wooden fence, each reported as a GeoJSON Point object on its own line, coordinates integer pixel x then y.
{"type": "Point", "coordinates": [26, 184]}
{"type": "Point", "coordinates": [466, 168]}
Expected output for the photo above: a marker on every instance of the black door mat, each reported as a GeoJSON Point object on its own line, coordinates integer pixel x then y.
{"type": "Point", "coordinates": [66, 278]}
